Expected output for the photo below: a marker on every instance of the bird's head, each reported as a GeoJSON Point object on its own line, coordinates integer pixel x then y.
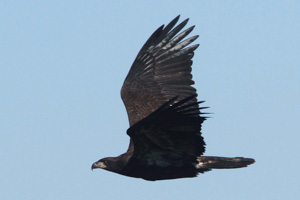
{"type": "Point", "coordinates": [114, 164]}
{"type": "Point", "coordinates": [102, 163]}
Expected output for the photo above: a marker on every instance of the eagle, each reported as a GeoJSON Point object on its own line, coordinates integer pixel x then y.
{"type": "Point", "coordinates": [164, 114]}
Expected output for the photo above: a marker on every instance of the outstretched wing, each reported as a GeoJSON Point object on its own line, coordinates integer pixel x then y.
{"type": "Point", "coordinates": [161, 71]}
{"type": "Point", "coordinates": [170, 136]}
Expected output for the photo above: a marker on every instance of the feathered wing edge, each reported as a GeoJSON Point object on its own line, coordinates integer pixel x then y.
{"type": "Point", "coordinates": [161, 70]}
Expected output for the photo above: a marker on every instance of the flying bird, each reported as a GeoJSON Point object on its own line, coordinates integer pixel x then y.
{"type": "Point", "coordinates": [164, 114]}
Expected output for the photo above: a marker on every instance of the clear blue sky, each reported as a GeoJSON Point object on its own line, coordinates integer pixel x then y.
{"type": "Point", "coordinates": [62, 66]}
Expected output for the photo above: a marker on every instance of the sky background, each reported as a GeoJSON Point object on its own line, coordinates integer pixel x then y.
{"type": "Point", "coordinates": [62, 64]}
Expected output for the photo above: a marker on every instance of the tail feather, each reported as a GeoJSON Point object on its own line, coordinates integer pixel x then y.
{"type": "Point", "coordinates": [207, 163]}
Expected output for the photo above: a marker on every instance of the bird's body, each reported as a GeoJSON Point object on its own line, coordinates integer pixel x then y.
{"type": "Point", "coordinates": [164, 114]}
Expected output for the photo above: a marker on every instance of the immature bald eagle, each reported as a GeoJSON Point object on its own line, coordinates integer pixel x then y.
{"type": "Point", "coordinates": [164, 114]}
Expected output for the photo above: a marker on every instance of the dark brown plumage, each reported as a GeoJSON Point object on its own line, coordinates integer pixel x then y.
{"type": "Point", "coordinates": [164, 114]}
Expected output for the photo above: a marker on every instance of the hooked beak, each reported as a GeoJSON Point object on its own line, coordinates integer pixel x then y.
{"type": "Point", "coordinates": [98, 164]}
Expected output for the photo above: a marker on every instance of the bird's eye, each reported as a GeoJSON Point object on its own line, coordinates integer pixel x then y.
{"type": "Point", "coordinates": [105, 162]}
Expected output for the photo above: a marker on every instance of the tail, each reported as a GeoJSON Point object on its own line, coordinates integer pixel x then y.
{"type": "Point", "coordinates": [207, 163]}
